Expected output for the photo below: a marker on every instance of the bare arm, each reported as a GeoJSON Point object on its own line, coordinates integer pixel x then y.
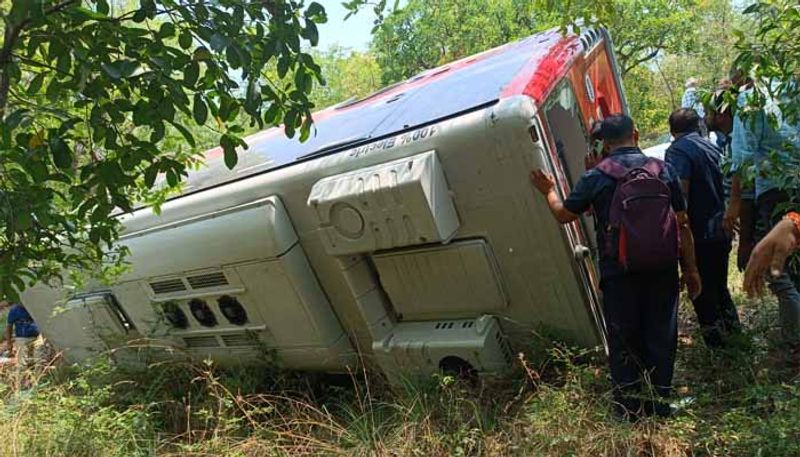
{"type": "Point", "coordinates": [561, 214]}
{"type": "Point", "coordinates": [730, 222]}
{"type": "Point", "coordinates": [547, 186]}
{"type": "Point", "coordinates": [769, 256]}
{"type": "Point", "coordinates": [691, 276]}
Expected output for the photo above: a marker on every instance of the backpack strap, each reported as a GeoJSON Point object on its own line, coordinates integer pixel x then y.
{"type": "Point", "coordinates": [654, 166]}
{"type": "Point", "coordinates": [612, 168]}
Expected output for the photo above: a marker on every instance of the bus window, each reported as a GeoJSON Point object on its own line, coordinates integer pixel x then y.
{"type": "Point", "coordinates": [566, 126]}
{"type": "Point", "coordinates": [571, 140]}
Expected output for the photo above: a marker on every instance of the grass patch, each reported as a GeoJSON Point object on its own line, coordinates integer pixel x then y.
{"type": "Point", "coordinates": [744, 402]}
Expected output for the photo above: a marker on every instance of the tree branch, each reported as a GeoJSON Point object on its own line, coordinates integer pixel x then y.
{"type": "Point", "coordinates": [640, 61]}
{"type": "Point", "coordinates": [9, 42]}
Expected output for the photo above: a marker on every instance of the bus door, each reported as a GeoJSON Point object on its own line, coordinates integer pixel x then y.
{"type": "Point", "coordinates": [568, 142]}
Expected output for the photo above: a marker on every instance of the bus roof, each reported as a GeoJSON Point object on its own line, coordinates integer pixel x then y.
{"type": "Point", "coordinates": [530, 66]}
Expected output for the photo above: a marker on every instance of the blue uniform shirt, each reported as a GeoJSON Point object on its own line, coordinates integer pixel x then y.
{"type": "Point", "coordinates": [697, 160]}
{"type": "Point", "coordinates": [24, 326]}
{"type": "Point", "coordinates": [596, 189]}
{"type": "Point", "coordinates": [754, 140]}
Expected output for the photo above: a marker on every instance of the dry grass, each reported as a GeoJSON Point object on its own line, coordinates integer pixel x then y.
{"type": "Point", "coordinates": [745, 402]}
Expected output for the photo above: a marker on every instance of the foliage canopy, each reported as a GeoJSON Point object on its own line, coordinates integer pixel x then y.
{"type": "Point", "coordinates": [91, 94]}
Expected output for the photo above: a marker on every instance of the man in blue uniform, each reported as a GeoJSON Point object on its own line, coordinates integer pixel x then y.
{"type": "Point", "coordinates": [23, 331]}
{"type": "Point", "coordinates": [697, 162]}
{"type": "Point", "coordinates": [640, 309]}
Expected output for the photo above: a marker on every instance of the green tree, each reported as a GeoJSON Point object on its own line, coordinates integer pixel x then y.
{"type": "Point", "coordinates": [347, 74]}
{"type": "Point", "coordinates": [424, 34]}
{"type": "Point", "coordinates": [655, 89]}
{"type": "Point", "coordinates": [92, 93]}
{"type": "Point", "coordinates": [650, 103]}
{"type": "Point", "coordinates": [770, 55]}
{"type": "Point", "coordinates": [646, 29]}
{"type": "Point", "coordinates": [769, 52]}
{"type": "Point", "coordinates": [647, 34]}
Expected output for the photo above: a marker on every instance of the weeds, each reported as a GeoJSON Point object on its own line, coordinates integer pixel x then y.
{"type": "Point", "coordinates": [742, 402]}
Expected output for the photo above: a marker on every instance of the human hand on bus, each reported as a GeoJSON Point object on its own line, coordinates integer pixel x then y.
{"type": "Point", "coordinates": [542, 181]}
{"type": "Point", "coordinates": [693, 283]}
{"type": "Point", "coordinates": [769, 256]}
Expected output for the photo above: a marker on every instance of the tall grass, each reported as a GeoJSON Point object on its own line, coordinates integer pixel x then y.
{"type": "Point", "coordinates": [744, 402]}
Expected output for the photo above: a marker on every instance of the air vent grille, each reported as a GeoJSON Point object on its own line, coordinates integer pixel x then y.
{"type": "Point", "coordinates": [589, 38]}
{"type": "Point", "coordinates": [240, 340]}
{"type": "Point", "coordinates": [167, 286]}
{"type": "Point", "coordinates": [194, 342]}
{"type": "Point", "coordinates": [505, 347]}
{"type": "Point", "coordinates": [215, 279]}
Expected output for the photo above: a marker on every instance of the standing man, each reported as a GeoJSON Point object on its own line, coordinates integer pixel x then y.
{"type": "Point", "coordinates": [691, 100]}
{"type": "Point", "coordinates": [719, 118]}
{"type": "Point", "coordinates": [697, 163]}
{"type": "Point", "coordinates": [23, 331]}
{"type": "Point", "coordinates": [769, 148]}
{"type": "Point", "coordinates": [640, 307]}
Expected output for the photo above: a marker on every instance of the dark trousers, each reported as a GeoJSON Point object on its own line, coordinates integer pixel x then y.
{"type": "Point", "coordinates": [641, 313]}
{"type": "Point", "coordinates": [715, 310]}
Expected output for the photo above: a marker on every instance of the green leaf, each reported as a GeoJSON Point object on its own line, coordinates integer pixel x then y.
{"type": "Point", "coordinates": [172, 178]}
{"type": "Point", "coordinates": [311, 33]}
{"type": "Point", "coordinates": [36, 84]}
{"type": "Point", "coordinates": [315, 9]}
{"type": "Point", "coordinates": [185, 39]}
{"type": "Point", "coordinates": [62, 156]}
{"type": "Point", "coordinates": [102, 7]}
{"type": "Point", "coordinates": [273, 114]}
{"type": "Point", "coordinates": [139, 16]}
{"type": "Point", "coordinates": [157, 133]}
{"type": "Point", "coordinates": [187, 135]}
{"type": "Point", "coordinates": [15, 118]}
{"type": "Point", "coordinates": [229, 150]}
{"type": "Point", "coordinates": [199, 110]}
{"type": "Point", "coordinates": [302, 81]}
{"type": "Point", "coordinates": [201, 54]}
{"type": "Point", "coordinates": [283, 66]}
{"type": "Point", "coordinates": [225, 108]}
{"type": "Point", "coordinates": [150, 175]}
{"type": "Point", "coordinates": [38, 170]}
{"type": "Point", "coordinates": [305, 130]}
{"type": "Point", "coordinates": [166, 30]}
{"type": "Point", "coordinates": [191, 73]}
{"type": "Point", "coordinates": [233, 56]}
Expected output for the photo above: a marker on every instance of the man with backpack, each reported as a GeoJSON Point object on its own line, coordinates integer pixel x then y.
{"type": "Point", "coordinates": [641, 214]}
{"type": "Point", "coordinates": [697, 163]}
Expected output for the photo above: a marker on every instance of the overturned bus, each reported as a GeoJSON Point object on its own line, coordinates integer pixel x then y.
{"type": "Point", "coordinates": [404, 233]}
